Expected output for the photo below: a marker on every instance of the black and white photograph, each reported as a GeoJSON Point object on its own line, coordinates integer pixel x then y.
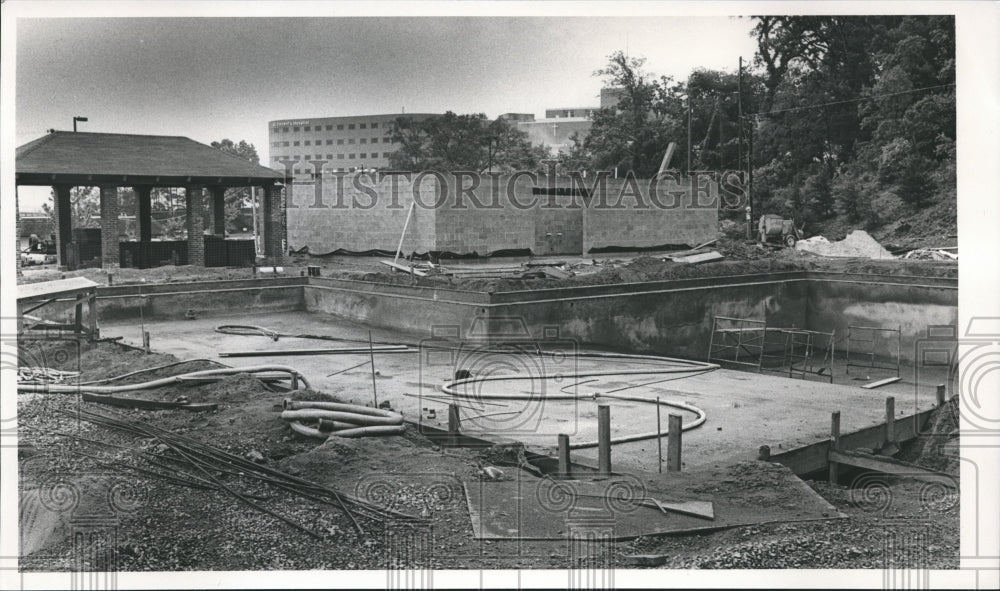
{"type": "Point", "coordinates": [483, 295]}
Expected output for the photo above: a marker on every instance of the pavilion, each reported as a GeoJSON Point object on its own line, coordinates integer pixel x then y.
{"type": "Point", "coordinates": [64, 159]}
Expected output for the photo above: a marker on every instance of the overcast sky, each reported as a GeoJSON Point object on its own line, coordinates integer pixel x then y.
{"type": "Point", "coordinates": [214, 78]}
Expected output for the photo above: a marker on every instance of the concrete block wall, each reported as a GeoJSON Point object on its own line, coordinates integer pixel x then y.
{"type": "Point", "coordinates": [627, 221]}
{"type": "Point", "coordinates": [348, 217]}
{"type": "Point", "coordinates": [360, 213]}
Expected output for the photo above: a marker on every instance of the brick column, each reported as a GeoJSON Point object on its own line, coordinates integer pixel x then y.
{"type": "Point", "coordinates": [219, 211]}
{"type": "Point", "coordinates": [194, 224]}
{"type": "Point", "coordinates": [275, 234]}
{"type": "Point", "coordinates": [144, 213]}
{"type": "Point", "coordinates": [62, 208]}
{"type": "Point", "coordinates": [109, 227]}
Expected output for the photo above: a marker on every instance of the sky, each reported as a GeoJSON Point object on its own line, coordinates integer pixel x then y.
{"type": "Point", "coordinates": [214, 78]}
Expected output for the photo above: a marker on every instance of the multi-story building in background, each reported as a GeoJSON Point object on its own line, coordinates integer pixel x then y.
{"type": "Point", "coordinates": [362, 142]}
{"type": "Point", "coordinates": [346, 144]}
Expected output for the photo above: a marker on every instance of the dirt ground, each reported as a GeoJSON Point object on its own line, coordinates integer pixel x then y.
{"type": "Point", "coordinates": [741, 258]}
{"type": "Point", "coordinates": [163, 524]}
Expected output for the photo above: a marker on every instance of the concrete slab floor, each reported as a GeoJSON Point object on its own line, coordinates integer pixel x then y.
{"type": "Point", "coordinates": [744, 410]}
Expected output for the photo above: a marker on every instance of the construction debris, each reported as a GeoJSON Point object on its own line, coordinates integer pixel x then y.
{"type": "Point", "coordinates": [406, 269]}
{"type": "Point", "coordinates": [697, 259]}
{"type": "Point", "coordinates": [881, 382]}
{"type": "Point", "coordinates": [932, 254]}
{"type": "Point", "coordinates": [857, 244]}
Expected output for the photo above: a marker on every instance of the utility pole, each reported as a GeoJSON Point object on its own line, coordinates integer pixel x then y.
{"type": "Point", "coordinates": [753, 120]}
{"type": "Point", "coordinates": [739, 103]}
{"type": "Point", "coordinates": [689, 132]}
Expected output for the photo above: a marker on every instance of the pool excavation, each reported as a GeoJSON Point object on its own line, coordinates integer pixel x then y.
{"type": "Point", "coordinates": [648, 394]}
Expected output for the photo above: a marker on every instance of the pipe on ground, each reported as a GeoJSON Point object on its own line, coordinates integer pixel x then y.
{"type": "Point", "coordinates": [371, 431]}
{"type": "Point", "coordinates": [347, 417]}
{"type": "Point", "coordinates": [289, 404]}
{"type": "Point", "coordinates": [73, 389]}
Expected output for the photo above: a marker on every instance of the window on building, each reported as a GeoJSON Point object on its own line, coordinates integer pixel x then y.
{"type": "Point", "coordinates": [284, 130]}
{"type": "Point", "coordinates": [362, 126]}
{"type": "Point", "coordinates": [340, 156]}
{"type": "Point", "coordinates": [319, 156]}
{"type": "Point", "coordinates": [329, 156]}
{"type": "Point", "coordinates": [350, 156]}
{"type": "Point", "coordinates": [340, 127]}
{"type": "Point", "coordinates": [307, 142]}
{"type": "Point", "coordinates": [296, 157]}
{"type": "Point", "coordinates": [306, 128]}
{"type": "Point", "coordinates": [329, 127]}
{"type": "Point", "coordinates": [375, 125]}
{"type": "Point", "coordinates": [350, 140]}
{"type": "Point", "coordinates": [350, 126]}
{"type": "Point", "coordinates": [285, 144]}
{"type": "Point", "coordinates": [295, 143]}
{"type": "Point", "coordinates": [386, 154]}
{"type": "Point", "coordinates": [340, 142]}
{"type": "Point", "coordinates": [329, 142]}
{"type": "Point", "coordinates": [295, 129]}
{"type": "Point", "coordinates": [364, 155]}
{"type": "Point", "coordinates": [364, 140]}
{"type": "Point", "coordinates": [296, 171]}
{"type": "Point", "coordinates": [374, 140]}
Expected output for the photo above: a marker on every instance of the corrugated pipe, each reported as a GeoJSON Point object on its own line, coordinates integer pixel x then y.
{"type": "Point", "coordinates": [224, 371]}
{"type": "Point", "coordinates": [374, 431]}
{"type": "Point", "coordinates": [347, 417]}
{"type": "Point", "coordinates": [340, 419]}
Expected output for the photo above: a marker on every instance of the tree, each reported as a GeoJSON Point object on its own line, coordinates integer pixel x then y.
{"type": "Point", "coordinates": [85, 207]}
{"type": "Point", "coordinates": [866, 102]}
{"type": "Point", "coordinates": [238, 198]}
{"type": "Point", "coordinates": [462, 142]}
{"type": "Point", "coordinates": [634, 134]}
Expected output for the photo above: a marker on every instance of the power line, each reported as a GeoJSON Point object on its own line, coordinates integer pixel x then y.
{"type": "Point", "coordinates": [854, 100]}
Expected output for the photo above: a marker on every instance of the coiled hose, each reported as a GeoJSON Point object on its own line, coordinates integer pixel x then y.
{"type": "Point", "coordinates": [689, 367]}
{"type": "Point", "coordinates": [340, 419]}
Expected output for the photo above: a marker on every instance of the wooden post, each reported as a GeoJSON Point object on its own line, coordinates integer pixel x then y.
{"type": "Point", "coordinates": [674, 429]}
{"type": "Point", "coordinates": [78, 314]}
{"type": "Point", "coordinates": [454, 420]}
{"type": "Point", "coordinates": [295, 381]}
{"type": "Point", "coordinates": [145, 341]}
{"type": "Point", "coordinates": [371, 355]}
{"type": "Point", "coordinates": [604, 439]}
{"type": "Point", "coordinates": [834, 443]}
{"type": "Point", "coordinates": [940, 395]}
{"type": "Point", "coordinates": [890, 420]}
{"type": "Point", "coordinates": [564, 455]}
{"type": "Point", "coordinates": [659, 439]}
{"type": "Point", "coordinates": [92, 313]}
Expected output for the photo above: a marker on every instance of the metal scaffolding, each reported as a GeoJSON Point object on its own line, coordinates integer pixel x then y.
{"type": "Point", "coordinates": [867, 342]}
{"type": "Point", "coordinates": [751, 343]}
{"type": "Point", "coordinates": [737, 340]}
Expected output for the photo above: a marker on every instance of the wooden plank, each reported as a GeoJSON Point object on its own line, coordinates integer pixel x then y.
{"type": "Point", "coordinates": [701, 509]}
{"type": "Point", "coordinates": [51, 289]}
{"type": "Point", "coordinates": [556, 273]}
{"type": "Point", "coordinates": [890, 466]}
{"type": "Point", "coordinates": [880, 383]}
{"type": "Point", "coordinates": [404, 268]}
{"type": "Point", "coordinates": [811, 458]}
{"type": "Point", "coordinates": [697, 259]}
